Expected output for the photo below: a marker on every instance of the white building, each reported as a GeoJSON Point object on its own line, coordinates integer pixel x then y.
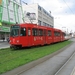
{"type": "Point", "coordinates": [10, 13]}
{"type": "Point", "coordinates": [38, 15]}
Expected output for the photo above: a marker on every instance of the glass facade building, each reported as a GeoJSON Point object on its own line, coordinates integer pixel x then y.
{"type": "Point", "coordinates": [10, 13]}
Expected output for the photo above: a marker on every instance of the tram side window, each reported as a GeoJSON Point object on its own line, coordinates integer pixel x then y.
{"type": "Point", "coordinates": [35, 32]}
{"type": "Point", "coordinates": [55, 33]}
{"type": "Point", "coordinates": [29, 32]}
{"type": "Point", "coordinates": [44, 32]}
{"type": "Point", "coordinates": [49, 33]}
{"type": "Point", "coordinates": [58, 33]}
{"type": "Point", "coordinates": [64, 34]}
{"type": "Point", "coordinates": [40, 32]}
{"type": "Point", "coordinates": [23, 32]}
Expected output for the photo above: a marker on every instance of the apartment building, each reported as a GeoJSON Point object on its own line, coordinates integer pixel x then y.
{"type": "Point", "coordinates": [36, 14]}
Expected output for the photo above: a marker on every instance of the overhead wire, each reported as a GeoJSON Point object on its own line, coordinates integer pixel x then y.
{"type": "Point", "coordinates": [68, 6]}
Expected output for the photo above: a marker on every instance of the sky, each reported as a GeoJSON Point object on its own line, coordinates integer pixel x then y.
{"type": "Point", "coordinates": [63, 12]}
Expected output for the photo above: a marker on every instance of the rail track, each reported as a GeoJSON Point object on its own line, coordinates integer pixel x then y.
{"type": "Point", "coordinates": [49, 65]}
{"type": "Point", "coordinates": [68, 66]}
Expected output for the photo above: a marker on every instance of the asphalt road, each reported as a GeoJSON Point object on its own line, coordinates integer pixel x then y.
{"type": "Point", "coordinates": [4, 44]}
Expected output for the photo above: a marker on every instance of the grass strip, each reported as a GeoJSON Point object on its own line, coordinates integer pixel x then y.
{"type": "Point", "coordinates": [10, 59]}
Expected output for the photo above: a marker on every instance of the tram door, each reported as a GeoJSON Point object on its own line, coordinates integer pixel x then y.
{"type": "Point", "coordinates": [44, 36]}
{"type": "Point", "coordinates": [29, 37]}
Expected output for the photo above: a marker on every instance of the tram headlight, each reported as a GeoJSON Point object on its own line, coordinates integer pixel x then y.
{"type": "Point", "coordinates": [10, 41]}
{"type": "Point", "coordinates": [17, 41]}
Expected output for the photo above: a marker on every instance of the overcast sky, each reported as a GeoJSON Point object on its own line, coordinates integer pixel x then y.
{"type": "Point", "coordinates": [63, 12]}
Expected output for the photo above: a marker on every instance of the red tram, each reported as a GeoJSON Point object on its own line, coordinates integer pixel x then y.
{"type": "Point", "coordinates": [26, 35]}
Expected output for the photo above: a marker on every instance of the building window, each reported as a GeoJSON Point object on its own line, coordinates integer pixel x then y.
{"type": "Point", "coordinates": [8, 2]}
{"type": "Point", "coordinates": [44, 11]}
{"type": "Point", "coordinates": [15, 0]}
{"type": "Point", "coordinates": [39, 22]}
{"type": "Point", "coordinates": [39, 7]}
{"type": "Point", "coordinates": [45, 24]}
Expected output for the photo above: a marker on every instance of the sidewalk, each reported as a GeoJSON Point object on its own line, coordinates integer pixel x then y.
{"type": "Point", "coordinates": [4, 44]}
{"type": "Point", "coordinates": [1, 41]}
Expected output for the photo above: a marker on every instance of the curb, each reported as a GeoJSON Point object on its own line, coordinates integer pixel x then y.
{"type": "Point", "coordinates": [26, 67]}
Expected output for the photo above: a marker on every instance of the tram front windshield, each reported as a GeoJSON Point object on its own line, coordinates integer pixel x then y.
{"type": "Point", "coordinates": [14, 30]}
